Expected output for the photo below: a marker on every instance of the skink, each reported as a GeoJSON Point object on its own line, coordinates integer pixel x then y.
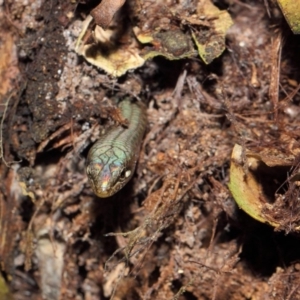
{"type": "Point", "coordinates": [111, 160]}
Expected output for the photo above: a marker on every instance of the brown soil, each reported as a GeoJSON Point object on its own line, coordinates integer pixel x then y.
{"type": "Point", "coordinates": [181, 235]}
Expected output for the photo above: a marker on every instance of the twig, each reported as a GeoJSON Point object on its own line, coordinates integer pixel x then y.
{"type": "Point", "coordinates": [1, 131]}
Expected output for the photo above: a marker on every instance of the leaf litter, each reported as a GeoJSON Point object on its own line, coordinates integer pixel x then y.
{"type": "Point", "coordinates": [175, 231]}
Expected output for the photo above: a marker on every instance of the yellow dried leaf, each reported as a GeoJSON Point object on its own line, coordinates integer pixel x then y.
{"type": "Point", "coordinates": [245, 189]}
{"type": "Point", "coordinates": [211, 40]}
{"type": "Point", "coordinates": [103, 53]}
{"type": "Point", "coordinates": [4, 290]}
{"type": "Point", "coordinates": [254, 185]}
{"type": "Point", "coordinates": [115, 63]}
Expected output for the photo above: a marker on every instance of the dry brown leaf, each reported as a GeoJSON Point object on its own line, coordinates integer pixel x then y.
{"type": "Point", "coordinates": [105, 11]}
{"type": "Point", "coordinates": [8, 62]}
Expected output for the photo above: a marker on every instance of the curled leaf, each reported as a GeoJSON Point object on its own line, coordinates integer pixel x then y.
{"type": "Point", "coordinates": [254, 183]}
{"type": "Point", "coordinates": [107, 53]}
{"type": "Point", "coordinates": [245, 188]}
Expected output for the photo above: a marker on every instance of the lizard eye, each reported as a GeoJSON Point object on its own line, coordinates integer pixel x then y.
{"type": "Point", "coordinates": [125, 174]}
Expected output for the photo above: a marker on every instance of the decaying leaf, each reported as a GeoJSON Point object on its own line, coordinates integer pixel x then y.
{"type": "Point", "coordinates": [245, 189]}
{"type": "Point", "coordinates": [251, 176]}
{"type": "Point", "coordinates": [210, 41]}
{"type": "Point", "coordinates": [291, 11]}
{"type": "Point", "coordinates": [105, 11]}
{"type": "Point", "coordinates": [174, 31]}
{"type": "Point", "coordinates": [272, 158]}
{"type": "Point", "coordinates": [106, 53]}
{"type": "Point", "coordinates": [162, 27]}
{"type": "Point", "coordinates": [4, 290]}
{"type": "Point", "coordinates": [170, 44]}
{"type": "Point", "coordinates": [8, 64]}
